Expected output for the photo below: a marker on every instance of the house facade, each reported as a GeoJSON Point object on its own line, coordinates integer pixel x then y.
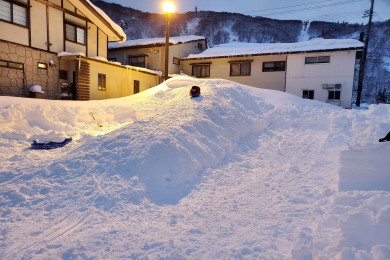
{"type": "Point", "coordinates": [321, 69]}
{"type": "Point", "coordinates": [150, 53]}
{"type": "Point", "coordinates": [61, 46]}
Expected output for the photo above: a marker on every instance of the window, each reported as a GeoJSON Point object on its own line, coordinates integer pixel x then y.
{"type": "Point", "coordinates": [334, 94]}
{"type": "Point", "coordinates": [308, 94]}
{"type": "Point", "coordinates": [317, 59]}
{"type": "Point", "coordinates": [75, 33]}
{"type": "Point", "coordinates": [136, 86]}
{"type": "Point", "coordinates": [201, 71]}
{"type": "Point", "coordinates": [240, 69]}
{"type": "Point", "coordinates": [102, 82]}
{"type": "Point", "coordinates": [63, 74]}
{"type": "Point", "coordinates": [137, 61]}
{"type": "Point", "coordinates": [274, 66]}
{"type": "Point", "coordinates": [200, 46]}
{"type": "Point", "coordinates": [42, 65]}
{"type": "Point", "coordinates": [13, 13]}
{"type": "Point", "coordinates": [11, 65]}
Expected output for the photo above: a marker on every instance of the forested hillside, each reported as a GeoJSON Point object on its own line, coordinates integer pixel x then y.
{"type": "Point", "coordinates": [225, 27]}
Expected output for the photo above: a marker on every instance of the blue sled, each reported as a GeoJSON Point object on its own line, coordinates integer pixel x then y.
{"type": "Point", "coordinates": [50, 145]}
{"type": "Point", "coordinates": [195, 95]}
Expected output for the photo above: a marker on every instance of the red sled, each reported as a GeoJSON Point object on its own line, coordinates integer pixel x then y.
{"type": "Point", "coordinates": [195, 91]}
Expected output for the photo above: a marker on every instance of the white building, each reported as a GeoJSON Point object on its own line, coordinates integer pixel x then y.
{"type": "Point", "coordinates": [320, 69]}
{"type": "Point", "coordinates": [150, 53]}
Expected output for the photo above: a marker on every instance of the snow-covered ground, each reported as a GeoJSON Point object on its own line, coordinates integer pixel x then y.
{"type": "Point", "coordinates": [237, 173]}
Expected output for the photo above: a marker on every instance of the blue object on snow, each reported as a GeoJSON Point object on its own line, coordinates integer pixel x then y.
{"type": "Point", "coordinates": [50, 145]}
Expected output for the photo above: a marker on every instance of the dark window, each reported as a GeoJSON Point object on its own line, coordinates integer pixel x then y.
{"type": "Point", "coordinates": [334, 94]}
{"type": "Point", "coordinates": [317, 59]}
{"type": "Point", "coordinates": [201, 71]}
{"type": "Point", "coordinates": [13, 13]}
{"type": "Point", "coordinates": [75, 33]}
{"type": "Point", "coordinates": [240, 69]}
{"type": "Point", "coordinates": [274, 66]}
{"type": "Point", "coordinates": [137, 61]}
{"type": "Point", "coordinates": [308, 94]}
{"type": "Point", "coordinates": [63, 74]}
{"type": "Point", "coordinates": [200, 46]}
{"type": "Point", "coordinates": [136, 86]}
{"type": "Point", "coordinates": [102, 82]}
{"type": "Point", "coordinates": [323, 59]}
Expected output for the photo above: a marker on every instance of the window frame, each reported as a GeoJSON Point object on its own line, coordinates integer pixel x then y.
{"type": "Point", "coordinates": [102, 81]}
{"type": "Point", "coordinates": [135, 64]}
{"type": "Point", "coordinates": [7, 65]}
{"type": "Point", "coordinates": [76, 27]}
{"type": "Point", "coordinates": [309, 91]}
{"type": "Point", "coordinates": [272, 69]}
{"type": "Point", "coordinates": [317, 59]}
{"type": "Point", "coordinates": [26, 8]}
{"type": "Point", "coordinates": [334, 94]}
{"type": "Point", "coordinates": [240, 63]}
{"type": "Point", "coordinates": [207, 66]}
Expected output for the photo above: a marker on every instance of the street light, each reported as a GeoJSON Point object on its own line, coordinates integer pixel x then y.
{"type": "Point", "coordinates": [169, 8]}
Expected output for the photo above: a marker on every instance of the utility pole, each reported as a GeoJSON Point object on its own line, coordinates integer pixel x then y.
{"type": "Point", "coordinates": [364, 57]}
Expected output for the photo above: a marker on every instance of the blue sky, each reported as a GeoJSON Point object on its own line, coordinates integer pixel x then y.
{"type": "Point", "coordinates": [326, 10]}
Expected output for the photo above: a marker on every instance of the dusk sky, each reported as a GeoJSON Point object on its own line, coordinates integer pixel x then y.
{"type": "Point", "coordinates": [326, 10]}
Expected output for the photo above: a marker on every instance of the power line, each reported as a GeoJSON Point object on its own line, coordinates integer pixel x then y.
{"type": "Point", "coordinates": [313, 7]}
{"type": "Point", "coordinates": [271, 9]}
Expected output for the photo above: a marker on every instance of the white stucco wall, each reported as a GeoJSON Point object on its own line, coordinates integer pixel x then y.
{"type": "Point", "coordinates": [340, 70]}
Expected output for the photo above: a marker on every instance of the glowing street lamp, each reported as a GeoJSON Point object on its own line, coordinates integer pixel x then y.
{"type": "Point", "coordinates": [169, 8]}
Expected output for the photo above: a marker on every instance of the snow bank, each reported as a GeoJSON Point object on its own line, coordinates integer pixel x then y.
{"type": "Point", "coordinates": [260, 173]}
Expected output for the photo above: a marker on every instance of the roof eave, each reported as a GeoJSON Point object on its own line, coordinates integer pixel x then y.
{"type": "Point", "coordinates": [273, 53]}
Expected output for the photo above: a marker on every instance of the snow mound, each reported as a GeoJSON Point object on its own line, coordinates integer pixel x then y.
{"type": "Point", "coordinates": [263, 174]}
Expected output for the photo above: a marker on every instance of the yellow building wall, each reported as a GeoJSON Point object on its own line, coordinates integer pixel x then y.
{"type": "Point", "coordinates": [56, 29]}
{"type": "Point", "coordinates": [92, 37]}
{"type": "Point", "coordinates": [102, 44]}
{"type": "Point", "coordinates": [13, 33]}
{"type": "Point", "coordinates": [119, 80]}
{"type": "Point", "coordinates": [67, 5]}
{"type": "Point", "coordinates": [220, 68]}
{"type": "Point", "coordinates": [56, 2]}
{"type": "Point", "coordinates": [38, 25]}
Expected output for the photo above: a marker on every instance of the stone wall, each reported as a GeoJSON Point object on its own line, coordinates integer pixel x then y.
{"type": "Point", "coordinates": [16, 82]}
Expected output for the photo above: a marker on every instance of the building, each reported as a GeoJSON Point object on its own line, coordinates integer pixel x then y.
{"type": "Point", "coordinates": [320, 69]}
{"type": "Point", "coordinates": [61, 46]}
{"type": "Point", "coordinates": [150, 53]}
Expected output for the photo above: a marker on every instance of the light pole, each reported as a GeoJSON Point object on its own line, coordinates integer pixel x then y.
{"type": "Point", "coordinates": [169, 8]}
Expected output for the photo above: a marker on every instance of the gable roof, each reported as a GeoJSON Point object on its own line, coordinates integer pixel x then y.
{"type": "Point", "coordinates": [154, 42]}
{"type": "Point", "coordinates": [100, 18]}
{"type": "Point", "coordinates": [240, 49]}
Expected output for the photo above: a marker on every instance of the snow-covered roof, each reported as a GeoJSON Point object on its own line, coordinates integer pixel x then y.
{"type": "Point", "coordinates": [101, 19]}
{"type": "Point", "coordinates": [248, 49]}
{"type": "Point", "coordinates": [155, 41]}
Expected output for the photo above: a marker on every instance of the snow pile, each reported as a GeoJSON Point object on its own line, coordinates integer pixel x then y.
{"type": "Point", "coordinates": [262, 174]}
{"type": "Point", "coordinates": [155, 41]}
{"type": "Point", "coordinates": [241, 48]}
{"type": "Point", "coordinates": [36, 89]}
